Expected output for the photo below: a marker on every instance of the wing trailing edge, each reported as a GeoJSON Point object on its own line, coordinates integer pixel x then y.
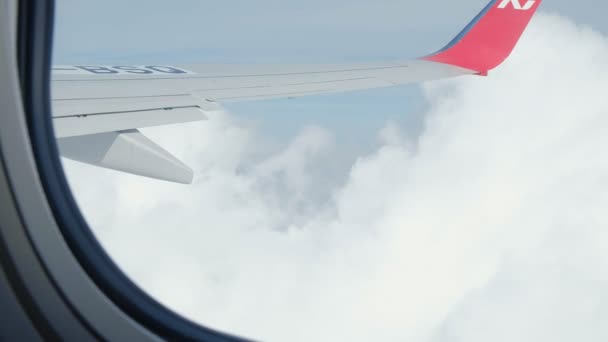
{"type": "Point", "coordinates": [76, 125]}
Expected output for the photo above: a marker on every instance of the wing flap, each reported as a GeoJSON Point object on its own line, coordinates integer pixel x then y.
{"type": "Point", "coordinates": [127, 151]}
{"type": "Point", "coordinates": [78, 125]}
{"type": "Point", "coordinates": [102, 105]}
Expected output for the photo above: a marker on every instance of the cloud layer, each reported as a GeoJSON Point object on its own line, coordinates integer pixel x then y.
{"type": "Point", "coordinates": [490, 225]}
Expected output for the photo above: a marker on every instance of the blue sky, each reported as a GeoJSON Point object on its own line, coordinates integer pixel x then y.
{"type": "Point", "coordinates": [270, 30]}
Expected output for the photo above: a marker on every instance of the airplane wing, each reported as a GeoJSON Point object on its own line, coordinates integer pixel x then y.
{"type": "Point", "coordinates": [98, 108]}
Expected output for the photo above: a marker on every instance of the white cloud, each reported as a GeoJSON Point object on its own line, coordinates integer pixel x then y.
{"type": "Point", "coordinates": [490, 226]}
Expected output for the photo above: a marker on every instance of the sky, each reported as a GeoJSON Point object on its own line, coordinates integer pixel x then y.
{"type": "Point", "coordinates": [469, 209]}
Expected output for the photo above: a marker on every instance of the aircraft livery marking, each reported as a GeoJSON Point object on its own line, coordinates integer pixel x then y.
{"type": "Point", "coordinates": [517, 5]}
{"type": "Point", "coordinates": [119, 70]}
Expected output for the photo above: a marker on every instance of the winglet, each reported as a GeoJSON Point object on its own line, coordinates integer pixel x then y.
{"type": "Point", "coordinates": [489, 39]}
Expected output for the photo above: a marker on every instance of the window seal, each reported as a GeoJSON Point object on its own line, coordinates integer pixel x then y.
{"type": "Point", "coordinates": [34, 60]}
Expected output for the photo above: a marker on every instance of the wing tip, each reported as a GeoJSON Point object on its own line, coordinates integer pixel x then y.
{"type": "Point", "coordinates": [490, 37]}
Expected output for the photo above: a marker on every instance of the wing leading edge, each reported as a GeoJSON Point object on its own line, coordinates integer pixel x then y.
{"type": "Point", "coordinates": [94, 104]}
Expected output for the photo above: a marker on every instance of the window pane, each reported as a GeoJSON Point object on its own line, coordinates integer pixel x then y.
{"type": "Point", "coordinates": [464, 209]}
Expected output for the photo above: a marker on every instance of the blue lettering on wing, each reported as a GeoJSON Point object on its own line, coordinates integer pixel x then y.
{"type": "Point", "coordinates": [129, 69]}
{"type": "Point", "coordinates": [165, 69]}
{"type": "Point", "coordinates": [132, 69]}
{"type": "Point", "coordinates": [96, 69]}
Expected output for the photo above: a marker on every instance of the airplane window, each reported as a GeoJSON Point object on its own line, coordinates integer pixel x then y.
{"type": "Point", "coordinates": [323, 171]}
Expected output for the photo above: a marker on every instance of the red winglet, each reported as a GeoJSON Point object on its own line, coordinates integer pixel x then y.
{"type": "Point", "coordinates": [489, 39]}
